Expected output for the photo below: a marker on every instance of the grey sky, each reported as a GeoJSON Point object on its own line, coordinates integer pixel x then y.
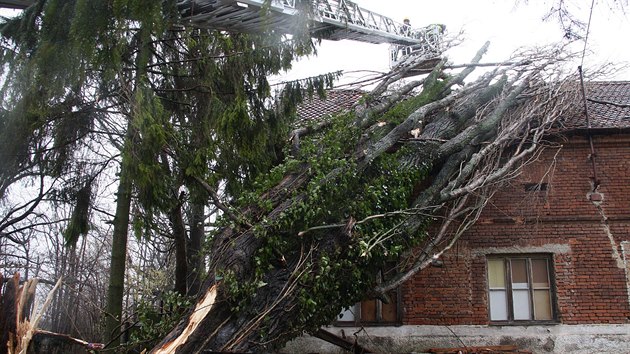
{"type": "Point", "coordinates": [506, 25]}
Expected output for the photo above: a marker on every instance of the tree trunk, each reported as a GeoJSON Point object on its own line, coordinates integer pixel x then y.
{"type": "Point", "coordinates": [217, 327]}
{"type": "Point", "coordinates": [9, 293]}
{"type": "Point", "coordinates": [196, 264]}
{"type": "Point", "coordinates": [181, 260]}
{"type": "Point", "coordinates": [116, 287]}
{"type": "Point", "coordinates": [115, 290]}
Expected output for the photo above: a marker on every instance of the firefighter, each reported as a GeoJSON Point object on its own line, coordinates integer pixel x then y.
{"type": "Point", "coordinates": [405, 30]}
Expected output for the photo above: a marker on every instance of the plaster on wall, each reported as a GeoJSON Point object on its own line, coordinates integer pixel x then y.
{"type": "Point", "coordinates": [597, 202]}
{"type": "Point", "coordinates": [579, 339]}
{"type": "Point", "coordinates": [554, 248]}
{"type": "Point", "coordinates": [625, 249]}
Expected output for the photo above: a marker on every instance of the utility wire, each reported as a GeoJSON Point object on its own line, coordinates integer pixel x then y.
{"type": "Point", "coordinates": [593, 154]}
{"type": "Point", "coordinates": [588, 29]}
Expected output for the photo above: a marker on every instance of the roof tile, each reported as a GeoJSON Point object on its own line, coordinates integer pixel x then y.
{"type": "Point", "coordinates": [315, 108]}
{"type": "Point", "coordinates": [608, 105]}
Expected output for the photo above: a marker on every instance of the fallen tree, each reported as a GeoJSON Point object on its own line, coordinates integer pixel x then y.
{"type": "Point", "coordinates": [360, 192]}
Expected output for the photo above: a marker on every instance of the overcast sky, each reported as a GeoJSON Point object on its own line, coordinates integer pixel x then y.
{"type": "Point", "coordinates": [506, 24]}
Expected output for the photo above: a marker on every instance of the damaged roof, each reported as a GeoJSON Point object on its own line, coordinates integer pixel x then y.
{"type": "Point", "coordinates": [608, 104]}
{"type": "Point", "coordinates": [315, 108]}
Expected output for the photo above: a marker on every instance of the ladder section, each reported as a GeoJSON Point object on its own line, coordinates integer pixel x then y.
{"type": "Point", "coordinates": [430, 44]}
{"type": "Point", "coordinates": [16, 4]}
{"type": "Point", "coordinates": [334, 19]}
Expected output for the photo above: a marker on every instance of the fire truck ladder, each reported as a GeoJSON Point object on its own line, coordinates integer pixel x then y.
{"type": "Point", "coordinates": [333, 19]}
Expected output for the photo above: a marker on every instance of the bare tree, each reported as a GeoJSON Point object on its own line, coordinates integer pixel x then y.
{"type": "Point", "coordinates": [566, 13]}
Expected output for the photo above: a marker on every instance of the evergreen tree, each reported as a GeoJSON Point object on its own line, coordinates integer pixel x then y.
{"type": "Point", "coordinates": [185, 108]}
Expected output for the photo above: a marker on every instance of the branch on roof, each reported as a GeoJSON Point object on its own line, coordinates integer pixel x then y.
{"type": "Point", "coordinates": [621, 105]}
{"type": "Point", "coordinates": [468, 178]}
{"type": "Point", "coordinates": [295, 135]}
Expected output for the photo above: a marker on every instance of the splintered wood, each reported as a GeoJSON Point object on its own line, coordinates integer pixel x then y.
{"type": "Point", "coordinates": [201, 310]}
{"type": "Point", "coordinates": [20, 315]}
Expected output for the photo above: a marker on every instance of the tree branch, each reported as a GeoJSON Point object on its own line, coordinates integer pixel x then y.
{"type": "Point", "coordinates": [217, 201]}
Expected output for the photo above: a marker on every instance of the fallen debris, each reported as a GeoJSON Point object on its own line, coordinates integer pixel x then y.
{"type": "Point", "coordinates": [341, 342]}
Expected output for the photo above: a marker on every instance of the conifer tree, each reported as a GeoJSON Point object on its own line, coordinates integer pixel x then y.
{"type": "Point", "coordinates": [186, 108]}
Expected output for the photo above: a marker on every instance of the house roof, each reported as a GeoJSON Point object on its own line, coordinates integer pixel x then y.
{"type": "Point", "coordinates": [335, 101]}
{"type": "Point", "coordinates": [608, 104]}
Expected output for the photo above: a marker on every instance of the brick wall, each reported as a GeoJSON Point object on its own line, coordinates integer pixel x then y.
{"type": "Point", "coordinates": [566, 221]}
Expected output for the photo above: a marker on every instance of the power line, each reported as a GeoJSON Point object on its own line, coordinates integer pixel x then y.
{"type": "Point", "coordinates": [588, 29]}
{"type": "Point", "coordinates": [584, 99]}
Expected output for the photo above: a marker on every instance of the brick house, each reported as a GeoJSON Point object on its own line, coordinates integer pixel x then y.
{"type": "Point", "coordinates": [545, 267]}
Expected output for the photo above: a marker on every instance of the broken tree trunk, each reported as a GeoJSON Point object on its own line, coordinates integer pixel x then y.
{"type": "Point", "coordinates": [19, 327]}
{"type": "Point", "coordinates": [360, 195]}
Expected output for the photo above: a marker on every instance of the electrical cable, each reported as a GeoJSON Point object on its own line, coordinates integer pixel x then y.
{"type": "Point", "coordinates": [593, 154]}
{"type": "Point", "coordinates": [588, 29]}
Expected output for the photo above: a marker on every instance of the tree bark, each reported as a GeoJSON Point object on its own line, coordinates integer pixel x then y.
{"type": "Point", "coordinates": [116, 287]}
{"type": "Point", "coordinates": [181, 259]}
{"type": "Point", "coordinates": [196, 264]}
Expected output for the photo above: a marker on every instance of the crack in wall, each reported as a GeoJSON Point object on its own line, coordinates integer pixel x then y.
{"type": "Point", "coordinates": [624, 250]}
{"type": "Point", "coordinates": [597, 198]}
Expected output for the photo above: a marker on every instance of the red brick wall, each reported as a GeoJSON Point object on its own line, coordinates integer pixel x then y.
{"type": "Point", "coordinates": [562, 221]}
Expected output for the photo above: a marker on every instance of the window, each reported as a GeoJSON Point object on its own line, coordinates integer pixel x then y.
{"type": "Point", "coordinates": [373, 311]}
{"type": "Point", "coordinates": [535, 187]}
{"type": "Point", "coordinates": [519, 288]}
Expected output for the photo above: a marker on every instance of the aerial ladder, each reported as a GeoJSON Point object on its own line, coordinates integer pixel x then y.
{"type": "Point", "coordinates": [15, 4]}
{"type": "Point", "coordinates": [332, 20]}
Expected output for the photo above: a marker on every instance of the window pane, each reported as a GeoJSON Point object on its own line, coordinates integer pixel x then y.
{"type": "Point", "coordinates": [389, 312]}
{"type": "Point", "coordinates": [498, 305]}
{"type": "Point", "coordinates": [521, 303]}
{"type": "Point", "coordinates": [519, 272]}
{"type": "Point", "coordinates": [347, 314]}
{"type": "Point", "coordinates": [368, 310]}
{"type": "Point", "coordinates": [542, 305]}
{"type": "Point", "coordinates": [540, 273]}
{"type": "Point", "coordinates": [496, 274]}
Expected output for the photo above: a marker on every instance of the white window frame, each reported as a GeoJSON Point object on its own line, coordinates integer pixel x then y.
{"type": "Point", "coordinates": [511, 313]}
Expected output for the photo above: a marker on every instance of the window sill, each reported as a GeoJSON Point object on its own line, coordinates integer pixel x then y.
{"type": "Point", "coordinates": [524, 323]}
{"type": "Point", "coordinates": [366, 324]}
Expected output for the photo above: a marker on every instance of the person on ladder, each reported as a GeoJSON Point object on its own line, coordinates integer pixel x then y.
{"type": "Point", "coordinates": [405, 30]}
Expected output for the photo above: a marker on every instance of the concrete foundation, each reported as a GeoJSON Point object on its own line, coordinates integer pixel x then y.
{"type": "Point", "coordinates": [416, 339]}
